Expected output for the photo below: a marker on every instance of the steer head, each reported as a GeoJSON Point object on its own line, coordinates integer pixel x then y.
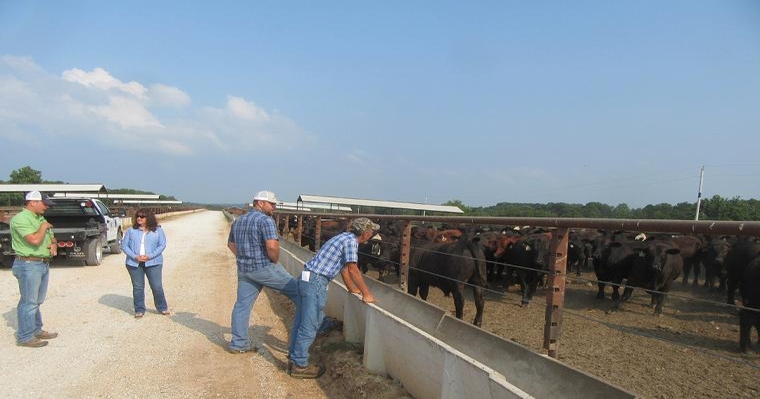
{"type": "Point", "coordinates": [658, 255]}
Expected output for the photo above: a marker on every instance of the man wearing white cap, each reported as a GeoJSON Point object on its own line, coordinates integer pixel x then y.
{"type": "Point", "coordinates": [254, 241]}
{"type": "Point", "coordinates": [33, 242]}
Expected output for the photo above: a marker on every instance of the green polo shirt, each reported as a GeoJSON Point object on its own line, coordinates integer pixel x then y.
{"type": "Point", "coordinates": [24, 223]}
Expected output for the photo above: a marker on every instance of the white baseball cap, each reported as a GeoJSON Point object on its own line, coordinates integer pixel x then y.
{"type": "Point", "coordinates": [37, 196]}
{"type": "Point", "coordinates": [267, 196]}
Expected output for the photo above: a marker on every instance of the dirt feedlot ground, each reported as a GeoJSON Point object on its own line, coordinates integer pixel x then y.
{"type": "Point", "coordinates": [691, 351]}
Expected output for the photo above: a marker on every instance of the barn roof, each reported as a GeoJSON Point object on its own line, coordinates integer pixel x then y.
{"type": "Point", "coordinates": [307, 206]}
{"type": "Point", "coordinates": [49, 188]}
{"type": "Point", "coordinates": [112, 196]}
{"type": "Point", "coordinates": [337, 201]}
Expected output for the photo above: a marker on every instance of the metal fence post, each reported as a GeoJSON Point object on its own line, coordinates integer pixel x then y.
{"type": "Point", "coordinates": [318, 234]}
{"type": "Point", "coordinates": [406, 238]}
{"type": "Point", "coordinates": [555, 299]}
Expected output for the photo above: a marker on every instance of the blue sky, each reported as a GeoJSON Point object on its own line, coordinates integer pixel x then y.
{"type": "Point", "coordinates": [419, 101]}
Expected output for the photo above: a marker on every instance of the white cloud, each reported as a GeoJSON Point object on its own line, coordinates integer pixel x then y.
{"type": "Point", "coordinates": [96, 106]}
{"type": "Point", "coordinates": [243, 109]}
{"type": "Point", "coordinates": [243, 125]}
{"type": "Point", "coordinates": [127, 112]}
{"type": "Point", "coordinates": [103, 80]}
{"type": "Point", "coordinates": [22, 65]}
{"type": "Point", "coordinates": [167, 96]}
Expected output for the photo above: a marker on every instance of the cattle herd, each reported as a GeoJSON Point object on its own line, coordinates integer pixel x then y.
{"type": "Point", "coordinates": [455, 258]}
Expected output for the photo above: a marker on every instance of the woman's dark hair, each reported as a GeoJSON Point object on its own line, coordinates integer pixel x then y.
{"type": "Point", "coordinates": [150, 219]}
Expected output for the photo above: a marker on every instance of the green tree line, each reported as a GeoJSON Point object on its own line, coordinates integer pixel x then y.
{"type": "Point", "coordinates": [715, 208]}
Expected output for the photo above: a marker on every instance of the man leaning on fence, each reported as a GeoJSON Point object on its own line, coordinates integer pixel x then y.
{"type": "Point", "coordinates": [338, 256]}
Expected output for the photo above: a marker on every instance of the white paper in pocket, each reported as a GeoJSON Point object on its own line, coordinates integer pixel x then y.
{"type": "Point", "coordinates": [305, 275]}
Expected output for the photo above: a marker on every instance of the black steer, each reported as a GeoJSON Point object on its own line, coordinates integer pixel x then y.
{"type": "Point", "coordinates": [691, 248]}
{"type": "Point", "coordinates": [737, 259]}
{"type": "Point", "coordinates": [449, 266]}
{"type": "Point", "coordinates": [613, 263]}
{"type": "Point", "coordinates": [655, 267]}
{"type": "Point", "coordinates": [369, 253]}
{"type": "Point", "coordinates": [527, 258]}
{"type": "Point", "coordinates": [713, 259]}
{"type": "Point", "coordinates": [750, 316]}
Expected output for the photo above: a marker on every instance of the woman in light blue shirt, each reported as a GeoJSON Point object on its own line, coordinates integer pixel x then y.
{"type": "Point", "coordinates": [144, 245]}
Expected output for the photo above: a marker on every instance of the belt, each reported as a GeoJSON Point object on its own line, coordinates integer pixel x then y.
{"type": "Point", "coordinates": [318, 274]}
{"type": "Point", "coordinates": [34, 259]}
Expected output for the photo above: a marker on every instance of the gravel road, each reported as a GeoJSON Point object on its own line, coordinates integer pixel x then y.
{"type": "Point", "coordinates": [104, 352]}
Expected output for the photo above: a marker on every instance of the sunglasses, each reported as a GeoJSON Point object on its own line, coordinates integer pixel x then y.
{"type": "Point", "coordinates": [141, 216]}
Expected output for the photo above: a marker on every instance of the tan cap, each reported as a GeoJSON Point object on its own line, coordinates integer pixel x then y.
{"type": "Point", "coordinates": [363, 225]}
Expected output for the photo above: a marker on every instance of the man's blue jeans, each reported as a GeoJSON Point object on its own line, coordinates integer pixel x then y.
{"type": "Point", "coordinates": [137, 274]}
{"type": "Point", "coordinates": [249, 286]}
{"type": "Point", "coordinates": [313, 296]}
{"type": "Point", "coordinates": [32, 285]}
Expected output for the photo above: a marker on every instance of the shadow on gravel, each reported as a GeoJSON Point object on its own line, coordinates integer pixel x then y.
{"type": "Point", "coordinates": [10, 318]}
{"type": "Point", "coordinates": [212, 331]}
{"type": "Point", "coordinates": [268, 341]}
{"type": "Point", "coordinates": [120, 302]}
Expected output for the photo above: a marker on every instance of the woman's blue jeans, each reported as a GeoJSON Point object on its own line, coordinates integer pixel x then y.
{"type": "Point", "coordinates": [313, 296]}
{"type": "Point", "coordinates": [137, 274]}
{"type": "Point", "coordinates": [32, 285]}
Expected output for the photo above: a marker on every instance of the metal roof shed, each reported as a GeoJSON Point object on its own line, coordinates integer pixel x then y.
{"type": "Point", "coordinates": [378, 204]}
{"type": "Point", "coordinates": [306, 206]}
{"type": "Point", "coordinates": [109, 196]}
{"type": "Point", "coordinates": [49, 188]}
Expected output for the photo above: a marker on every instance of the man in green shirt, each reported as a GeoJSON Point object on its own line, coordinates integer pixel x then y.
{"type": "Point", "coordinates": [33, 242]}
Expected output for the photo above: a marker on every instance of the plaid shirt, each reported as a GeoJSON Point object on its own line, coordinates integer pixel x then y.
{"type": "Point", "coordinates": [334, 255]}
{"type": "Point", "coordinates": [250, 233]}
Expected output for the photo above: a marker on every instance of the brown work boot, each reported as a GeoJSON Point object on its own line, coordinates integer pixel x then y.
{"type": "Point", "coordinates": [46, 335]}
{"type": "Point", "coordinates": [33, 343]}
{"type": "Point", "coordinates": [310, 371]}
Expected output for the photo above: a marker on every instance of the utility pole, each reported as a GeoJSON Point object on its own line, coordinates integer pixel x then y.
{"type": "Point", "coordinates": [699, 194]}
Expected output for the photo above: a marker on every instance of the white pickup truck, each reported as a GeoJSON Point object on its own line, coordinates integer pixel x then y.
{"type": "Point", "coordinates": [82, 226]}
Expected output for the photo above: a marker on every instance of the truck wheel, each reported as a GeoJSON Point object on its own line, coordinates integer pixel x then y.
{"type": "Point", "coordinates": [93, 251]}
{"type": "Point", "coordinates": [115, 246]}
